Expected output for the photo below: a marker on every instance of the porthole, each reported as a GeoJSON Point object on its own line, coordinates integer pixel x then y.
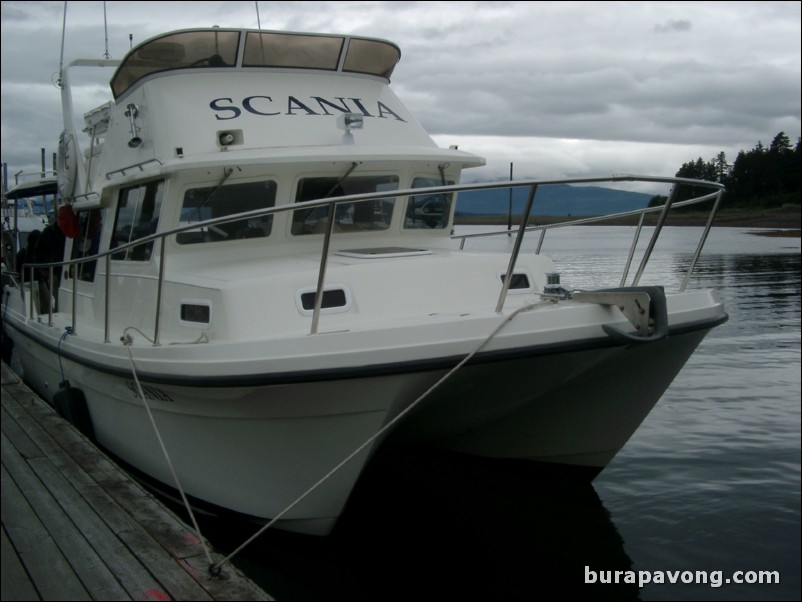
{"type": "Point", "coordinates": [336, 299]}
{"type": "Point", "coordinates": [519, 283]}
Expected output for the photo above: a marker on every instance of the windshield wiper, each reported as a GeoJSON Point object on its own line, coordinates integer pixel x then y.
{"type": "Point", "coordinates": [339, 182]}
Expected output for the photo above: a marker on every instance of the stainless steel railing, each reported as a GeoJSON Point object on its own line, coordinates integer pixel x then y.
{"type": "Point", "coordinates": [331, 204]}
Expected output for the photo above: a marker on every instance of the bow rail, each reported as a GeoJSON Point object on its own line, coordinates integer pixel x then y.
{"type": "Point", "coordinates": [331, 203]}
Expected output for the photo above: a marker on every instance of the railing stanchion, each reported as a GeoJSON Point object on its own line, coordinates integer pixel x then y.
{"type": "Point", "coordinates": [75, 297]}
{"type": "Point", "coordinates": [541, 239]}
{"type": "Point", "coordinates": [516, 248]}
{"type": "Point", "coordinates": [657, 229]}
{"type": "Point", "coordinates": [52, 295]}
{"type": "Point", "coordinates": [32, 280]}
{"type": "Point", "coordinates": [702, 241]}
{"type": "Point", "coordinates": [321, 277]}
{"type": "Point", "coordinates": [107, 313]}
{"type": "Point", "coordinates": [159, 292]}
{"type": "Point", "coordinates": [632, 250]}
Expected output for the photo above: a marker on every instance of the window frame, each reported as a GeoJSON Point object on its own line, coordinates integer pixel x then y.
{"type": "Point", "coordinates": [154, 191]}
{"type": "Point", "coordinates": [229, 231]}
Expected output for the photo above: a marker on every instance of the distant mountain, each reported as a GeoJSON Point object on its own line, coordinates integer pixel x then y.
{"type": "Point", "coordinates": [561, 199]}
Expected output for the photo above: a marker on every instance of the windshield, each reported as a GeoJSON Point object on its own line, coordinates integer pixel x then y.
{"type": "Point", "coordinates": [348, 217]}
{"type": "Point", "coordinates": [219, 201]}
{"type": "Point", "coordinates": [428, 211]}
{"type": "Point", "coordinates": [217, 48]}
{"type": "Point", "coordinates": [184, 50]}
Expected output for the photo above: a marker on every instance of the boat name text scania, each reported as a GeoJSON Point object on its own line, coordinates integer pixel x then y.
{"type": "Point", "coordinates": [265, 106]}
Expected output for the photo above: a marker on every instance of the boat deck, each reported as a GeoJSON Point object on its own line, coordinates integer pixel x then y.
{"type": "Point", "coordinates": [76, 527]}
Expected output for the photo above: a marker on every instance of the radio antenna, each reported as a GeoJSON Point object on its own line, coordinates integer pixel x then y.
{"type": "Point", "coordinates": [63, 35]}
{"type": "Point", "coordinates": [106, 32]}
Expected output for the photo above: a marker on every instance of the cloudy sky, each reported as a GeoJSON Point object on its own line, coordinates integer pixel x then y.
{"type": "Point", "coordinates": [558, 88]}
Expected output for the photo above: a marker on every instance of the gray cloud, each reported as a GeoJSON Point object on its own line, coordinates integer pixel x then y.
{"type": "Point", "coordinates": [531, 75]}
{"type": "Point", "coordinates": [673, 25]}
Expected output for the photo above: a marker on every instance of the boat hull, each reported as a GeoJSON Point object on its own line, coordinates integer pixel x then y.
{"type": "Point", "coordinates": [570, 412]}
{"type": "Point", "coordinates": [254, 449]}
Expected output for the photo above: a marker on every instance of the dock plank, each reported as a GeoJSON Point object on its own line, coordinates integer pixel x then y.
{"type": "Point", "coordinates": [36, 549]}
{"type": "Point", "coordinates": [110, 539]}
{"type": "Point", "coordinates": [139, 563]}
{"type": "Point", "coordinates": [16, 584]}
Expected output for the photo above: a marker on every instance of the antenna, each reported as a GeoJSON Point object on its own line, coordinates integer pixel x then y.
{"type": "Point", "coordinates": [106, 54]}
{"type": "Point", "coordinates": [63, 35]}
{"type": "Point", "coordinates": [258, 20]}
{"type": "Point", "coordinates": [509, 213]}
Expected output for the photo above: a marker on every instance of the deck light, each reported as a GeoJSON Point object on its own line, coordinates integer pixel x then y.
{"type": "Point", "coordinates": [348, 122]}
{"type": "Point", "coordinates": [353, 121]}
{"type": "Point", "coordinates": [132, 113]}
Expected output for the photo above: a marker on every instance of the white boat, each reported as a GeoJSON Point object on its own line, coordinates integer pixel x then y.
{"type": "Point", "coordinates": [266, 247]}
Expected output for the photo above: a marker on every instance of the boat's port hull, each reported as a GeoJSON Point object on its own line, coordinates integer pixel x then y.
{"type": "Point", "coordinates": [255, 449]}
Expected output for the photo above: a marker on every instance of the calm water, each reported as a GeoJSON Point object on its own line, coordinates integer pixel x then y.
{"type": "Point", "coordinates": [710, 481]}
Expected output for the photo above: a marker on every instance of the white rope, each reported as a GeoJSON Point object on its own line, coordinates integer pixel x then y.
{"type": "Point", "coordinates": [127, 339]}
{"type": "Point", "coordinates": [381, 431]}
{"type": "Point", "coordinates": [170, 464]}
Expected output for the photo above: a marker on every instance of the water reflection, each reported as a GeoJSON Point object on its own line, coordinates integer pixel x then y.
{"type": "Point", "coordinates": [439, 525]}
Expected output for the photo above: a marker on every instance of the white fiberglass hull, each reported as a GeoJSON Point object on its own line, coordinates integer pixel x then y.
{"type": "Point", "coordinates": [251, 450]}
{"type": "Point", "coordinates": [252, 441]}
{"type": "Point", "coordinates": [570, 412]}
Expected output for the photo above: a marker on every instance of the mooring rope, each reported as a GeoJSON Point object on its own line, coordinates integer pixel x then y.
{"type": "Point", "coordinates": [214, 571]}
{"type": "Point", "coordinates": [379, 433]}
{"type": "Point", "coordinates": [67, 332]}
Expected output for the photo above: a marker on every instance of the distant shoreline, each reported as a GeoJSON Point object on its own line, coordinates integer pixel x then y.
{"type": "Point", "coordinates": [785, 222]}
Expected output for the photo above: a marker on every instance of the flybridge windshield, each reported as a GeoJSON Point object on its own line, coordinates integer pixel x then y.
{"type": "Point", "coordinates": [217, 48]}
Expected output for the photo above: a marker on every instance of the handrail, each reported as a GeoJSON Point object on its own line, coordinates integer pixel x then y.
{"type": "Point", "coordinates": [519, 239]}
{"type": "Point", "coordinates": [636, 212]}
{"type": "Point", "coordinates": [583, 221]}
{"type": "Point", "coordinates": [331, 203]}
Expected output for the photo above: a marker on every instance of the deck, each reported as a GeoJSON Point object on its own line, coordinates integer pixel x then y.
{"type": "Point", "coordinates": [76, 527]}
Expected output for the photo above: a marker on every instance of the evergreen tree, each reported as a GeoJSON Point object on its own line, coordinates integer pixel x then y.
{"type": "Point", "coordinates": [696, 170]}
{"type": "Point", "coordinates": [760, 177]}
{"type": "Point", "coordinates": [722, 167]}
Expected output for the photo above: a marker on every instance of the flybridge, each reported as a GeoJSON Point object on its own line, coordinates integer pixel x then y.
{"type": "Point", "coordinates": [246, 49]}
{"type": "Point", "coordinates": [189, 93]}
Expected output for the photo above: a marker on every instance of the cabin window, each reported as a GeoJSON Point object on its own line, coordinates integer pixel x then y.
{"type": "Point", "coordinates": [87, 244]}
{"type": "Point", "coordinates": [137, 216]}
{"type": "Point", "coordinates": [371, 56]}
{"type": "Point", "coordinates": [182, 50]}
{"type": "Point", "coordinates": [428, 211]}
{"type": "Point", "coordinates": [348, 217]}
{"type": "Point", "coordinates": [201, 204]}
{"type": "Point", "coordinates": [291, 51]}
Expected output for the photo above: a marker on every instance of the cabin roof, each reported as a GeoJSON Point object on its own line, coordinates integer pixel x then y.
{"type": "Point", "coordinates": [324, 154]}
{"type": "Point", "coordinates": [219, 48]}
{"type": "Point", "coordinates": [31, 188]}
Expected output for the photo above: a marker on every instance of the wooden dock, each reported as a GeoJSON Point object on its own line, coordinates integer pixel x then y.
{"type": "Point", "coordinates": [76, 527]}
